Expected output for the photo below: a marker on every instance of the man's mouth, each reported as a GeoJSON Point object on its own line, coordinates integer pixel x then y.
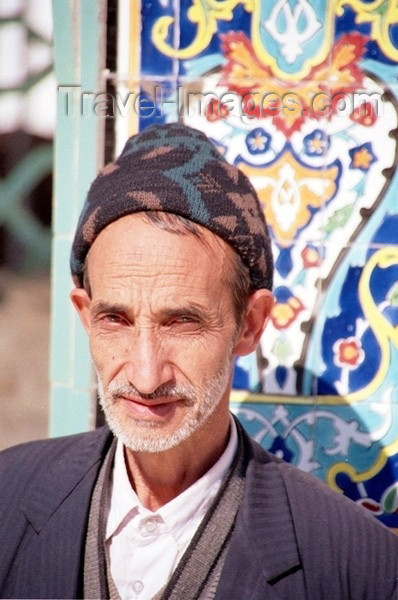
{"type": "Point", "coordinates": [158, 407]}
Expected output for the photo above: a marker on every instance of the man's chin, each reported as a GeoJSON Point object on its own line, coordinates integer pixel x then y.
{"type": "Point", "coordinates": [147, 435]}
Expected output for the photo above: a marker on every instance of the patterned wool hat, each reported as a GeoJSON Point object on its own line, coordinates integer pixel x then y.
{"type": "Point", "coordinates": [176, 169]}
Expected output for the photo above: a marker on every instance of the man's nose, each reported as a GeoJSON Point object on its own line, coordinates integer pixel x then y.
{"type": "Point", "coordinates": [148, 365]}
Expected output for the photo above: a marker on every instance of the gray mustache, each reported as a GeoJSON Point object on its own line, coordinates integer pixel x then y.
{"type": "Point", "coordinates": [185, 392]}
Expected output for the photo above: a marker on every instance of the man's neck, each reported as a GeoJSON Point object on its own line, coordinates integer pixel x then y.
{"type": "Point", "coordinates": [157, 478]}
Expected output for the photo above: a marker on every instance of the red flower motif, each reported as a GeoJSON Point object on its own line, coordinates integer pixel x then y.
{"type": "Point", "coordinates": [364, 114]}
{"type": "Point", "coordinates": [348, 352]}
{"type": "Point", "coordinates": [215, 110]}
{"type": "Point", "coordinates": [311, 257]}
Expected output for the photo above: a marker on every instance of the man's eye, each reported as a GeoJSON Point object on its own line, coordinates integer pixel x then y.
{"type": "Point", "coordinates": [111, 318]}
{"type": "Point", "coordinates": [186, 322]}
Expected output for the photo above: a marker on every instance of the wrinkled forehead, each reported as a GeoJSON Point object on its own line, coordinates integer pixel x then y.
{"type": "Point", "coordinates": [135, 242]}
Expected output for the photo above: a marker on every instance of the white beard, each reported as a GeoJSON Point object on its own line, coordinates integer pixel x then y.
{"type": "Point", "coordinates": [199, 405]}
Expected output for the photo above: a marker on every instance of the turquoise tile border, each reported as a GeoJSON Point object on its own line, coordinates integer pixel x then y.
{"type": "Point", "coordinates": [62, 315]}
{"type": "Point", "coordinates": [79, 50]}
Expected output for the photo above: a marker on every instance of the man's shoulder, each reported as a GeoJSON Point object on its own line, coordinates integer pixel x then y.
{"type": "Point", "coordinates": [295, 534]}
{"type": "Point", "coordinates": [310, 500]}
{"type": "Point", "coordinates": [55, 444]}
{"type": "Point", "coordinates": [29, 458]}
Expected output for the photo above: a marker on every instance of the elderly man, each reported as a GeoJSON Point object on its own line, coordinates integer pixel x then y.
{"type": "Point", "coordinates": [172, 267]}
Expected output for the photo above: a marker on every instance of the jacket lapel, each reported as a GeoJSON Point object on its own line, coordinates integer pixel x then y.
{"type": "Point", "coordinates": [268, 518]}
{"type": "Point", "coordinates": [68, 466]}
{"type": "Point", "coordinates": [263, 556]}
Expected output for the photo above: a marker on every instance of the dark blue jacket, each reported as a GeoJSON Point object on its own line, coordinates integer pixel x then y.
{"type": "Point", "coordinates": [294, 538]}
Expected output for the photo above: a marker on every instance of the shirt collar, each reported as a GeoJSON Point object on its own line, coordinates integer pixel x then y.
{"type": "Point", "coordinates": [194, 501]}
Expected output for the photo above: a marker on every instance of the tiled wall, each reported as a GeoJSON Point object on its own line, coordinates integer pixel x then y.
{"type": "Point", "coordinates": [302, 96]}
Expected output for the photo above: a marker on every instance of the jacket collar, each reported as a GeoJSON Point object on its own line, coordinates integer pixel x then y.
{"type": "Point", "coordinates": [67, 461]}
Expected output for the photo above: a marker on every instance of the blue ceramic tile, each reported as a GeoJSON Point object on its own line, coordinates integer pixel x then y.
{"type": "Point", "coordinates": [153, 61]}
{"type": "Point", "coordinates": [209, 55]}
{"type": "Point", "coordinates": [357, 451]}
{"type": "Point", "coordinates": [285, 429]}
{"type": "Point", "coordinates": [353, 340]}
{"type": "Point", "coordinates": [380, 31]}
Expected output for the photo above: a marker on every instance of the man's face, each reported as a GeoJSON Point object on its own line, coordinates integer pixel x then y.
{"type": "Point", "coordinates": [162, 332]}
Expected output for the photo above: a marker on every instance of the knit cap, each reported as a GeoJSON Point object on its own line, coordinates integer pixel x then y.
{"type": "Point", "coordinates": [176, 169]}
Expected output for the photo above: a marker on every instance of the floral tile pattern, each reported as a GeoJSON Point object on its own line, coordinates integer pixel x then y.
{"type": "Point", "coordinates": [302, 95]}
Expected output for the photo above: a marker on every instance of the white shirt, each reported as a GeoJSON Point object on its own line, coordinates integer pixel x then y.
{"type": "Point", "coordinates": [144, 546]}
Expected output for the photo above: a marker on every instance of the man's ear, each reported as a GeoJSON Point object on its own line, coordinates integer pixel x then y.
{"type": "Point", "coordinates": [257, 314]}
{"type": "Point", "coordinates": [81, 301]}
